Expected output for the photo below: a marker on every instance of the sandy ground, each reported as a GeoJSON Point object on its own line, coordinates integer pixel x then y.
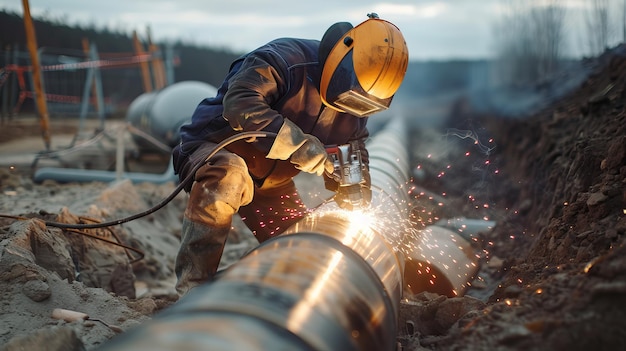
{"type": "Point", "coordinates": [552, 273]}
{"type": "Point", "coordinates": [121, 287]}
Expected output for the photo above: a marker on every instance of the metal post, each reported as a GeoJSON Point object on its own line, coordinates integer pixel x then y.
{"type": "Point", "coordinates": [6, 86]}
{"type": "Point", "coordinates": [95, 88]}
{"type": "Point", "coordinates": [169, 64]}
{"type": "Point", "coordinates": [119, 154]}
{"type": "Point", "coordinates": [93, 80]}
{"type": "Point", "coordinates": [98, 85]}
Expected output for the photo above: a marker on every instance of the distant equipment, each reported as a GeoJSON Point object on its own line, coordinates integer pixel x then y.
{"type": "Point", "coordinates": [161, 113]}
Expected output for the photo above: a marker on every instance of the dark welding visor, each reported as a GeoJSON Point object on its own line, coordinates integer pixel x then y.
{"type": "Point", "coordinates": [345, 93]}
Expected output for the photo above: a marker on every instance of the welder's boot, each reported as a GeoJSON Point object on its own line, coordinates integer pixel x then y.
{"type": "Point", "coordinates": [219, 189]}
{"type": "Point", "coordinates": [199, 255]}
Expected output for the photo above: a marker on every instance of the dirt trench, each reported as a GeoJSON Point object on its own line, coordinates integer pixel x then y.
{"type": "Point", "coordinates": [554, 272]}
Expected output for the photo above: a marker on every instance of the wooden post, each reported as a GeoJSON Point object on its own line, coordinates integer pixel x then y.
{"type": "Point", "coordinates": [145, 69]}
{"type": "Point", "coordinates": [157, 63]}
{"type": "Point", "coordinates": [31, 41]}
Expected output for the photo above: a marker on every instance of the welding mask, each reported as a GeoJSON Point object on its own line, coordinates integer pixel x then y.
{"type": "Point", "coordinates": [362, 67]}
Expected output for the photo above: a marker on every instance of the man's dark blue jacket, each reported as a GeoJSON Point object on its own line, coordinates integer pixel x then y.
{"type": "Point", "coordinates": [276, 81]}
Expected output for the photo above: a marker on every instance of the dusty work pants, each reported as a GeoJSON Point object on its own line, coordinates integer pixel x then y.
{"type": "Point", "coordinates": [222, 188]}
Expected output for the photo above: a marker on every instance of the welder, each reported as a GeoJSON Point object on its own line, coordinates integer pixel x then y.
{"type": "Point", "coordinates": [313, 96]}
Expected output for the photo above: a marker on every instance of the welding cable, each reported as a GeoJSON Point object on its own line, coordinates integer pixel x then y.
{"type": "Point", "coordinates": [179, 188]}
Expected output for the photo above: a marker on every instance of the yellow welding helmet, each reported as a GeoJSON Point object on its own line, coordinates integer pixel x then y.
{"type": "Point", "coordinates": [363, 66]}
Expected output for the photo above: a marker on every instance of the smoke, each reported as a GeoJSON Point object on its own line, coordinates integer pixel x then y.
{"type": "Point", "coordinates": [470, 134]}
{"type": "Point", "coordinates": [433, 92]}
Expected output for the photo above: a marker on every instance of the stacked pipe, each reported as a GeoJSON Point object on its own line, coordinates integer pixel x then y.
{"type": "Point", "coordinates": [333, 281]}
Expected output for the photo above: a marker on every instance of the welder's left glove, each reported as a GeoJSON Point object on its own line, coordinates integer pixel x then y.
{"type": "Point", "coordinates": [305, 151]}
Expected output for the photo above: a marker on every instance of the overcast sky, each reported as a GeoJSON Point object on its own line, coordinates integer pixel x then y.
{"type": "Point", "coordinates": [432, 29]}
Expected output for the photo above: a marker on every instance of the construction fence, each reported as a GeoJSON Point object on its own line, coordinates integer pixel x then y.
{"type": "Point", "coordinates": [82, 83]}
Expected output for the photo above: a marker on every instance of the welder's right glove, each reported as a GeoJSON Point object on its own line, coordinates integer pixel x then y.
{"type": "Point", "coordinates": [305, 151]}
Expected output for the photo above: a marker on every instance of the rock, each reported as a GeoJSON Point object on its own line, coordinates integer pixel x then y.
{"type": "Point", "coordinates": [513, 333]}
{"type": "Point", "coordinates": [52, 252]}
{"type": "Point", "coordinates": [610, 265]}
{"type": "Point", "coordinates": [453, 309]}
{"type": "Point", "coordinates": [145, 306]}
{"type": "Point", "coordinates": [512, 291]}
{"type": "Point", "coordinates": [47, 339]}
{"type": "Point", "coordinates": [595, 199]}
{"type": "Point", "coordinates": [618, 288]}
{"type": "Point", "coordinates": [479, 284]}
{"type": "Point", "coordinates": [36, 290]}
{"type": "Point", "coordinates": [495, 262]}
{"type": "Point", "coordinates": [611, 234]}
{"type": "Point", "coordinates": [31, 242]}
{"type": "Point", "coordinates": [123, 281]}
{"type": "Point", "coordinates": [621, 225]}
{"type": "Point", "coordinates": [417, 313]}
{"type": "Point", "coordinates": [102, 263]}
{"type": "Point", "coordinates": [616, 153]}
{"type": "Point", "coordinates": [20, 273]}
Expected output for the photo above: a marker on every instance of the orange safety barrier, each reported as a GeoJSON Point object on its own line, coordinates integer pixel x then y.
{"type": "Point", "coordinates": [113, 60]}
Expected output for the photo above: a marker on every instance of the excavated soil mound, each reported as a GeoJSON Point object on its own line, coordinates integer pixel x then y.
{"type": "Point", "coordinates": [557, 254]}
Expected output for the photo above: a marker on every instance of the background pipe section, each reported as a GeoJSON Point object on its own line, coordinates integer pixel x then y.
{"type": "Point", "coordinates": [333, 281]}
{"type": "Point", "coordinates": [441, 259]}
{"type": "Point", "coordinates": [158, 115]}
{"type": "Point", "coordinates": [66, 175]}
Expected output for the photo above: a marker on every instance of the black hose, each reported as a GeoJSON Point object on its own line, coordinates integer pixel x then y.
{"type": "Point", "coordinates": [179, 188]}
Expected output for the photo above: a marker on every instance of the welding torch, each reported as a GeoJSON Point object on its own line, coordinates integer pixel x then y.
{"type": "Point", "coordinates": [349, 174]}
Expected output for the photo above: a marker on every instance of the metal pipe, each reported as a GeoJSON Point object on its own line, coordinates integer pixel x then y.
{"type": "Point", "coordinates": [153, 119]}
{"type": "Point", "coordinates": [67, 175]}
{"type": "Point", "coordinates": [439, 261]}
{"type": "Point", "coordinates": [440, 258]}
{"type": "Point", "coordinates": [332, 281]}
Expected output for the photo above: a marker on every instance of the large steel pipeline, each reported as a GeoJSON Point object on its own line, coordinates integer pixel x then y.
{"type": "Point", "coordinates": [333, 281]}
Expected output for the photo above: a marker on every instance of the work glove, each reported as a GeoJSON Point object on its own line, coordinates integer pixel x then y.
{"type": "Point", "coordinates": [305, 151]}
